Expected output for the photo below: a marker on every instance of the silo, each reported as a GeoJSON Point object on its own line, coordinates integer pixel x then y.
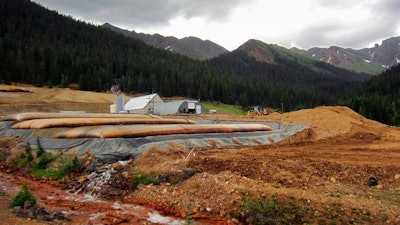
{"type": "Point", "coordinates": [120, 103]}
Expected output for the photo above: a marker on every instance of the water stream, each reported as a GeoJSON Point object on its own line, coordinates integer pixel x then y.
{"type": "Point", "coordinates": [85, 208]}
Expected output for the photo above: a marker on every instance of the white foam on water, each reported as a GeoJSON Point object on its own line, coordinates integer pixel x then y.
{"type": "Point", "coordinates": [154, 217]}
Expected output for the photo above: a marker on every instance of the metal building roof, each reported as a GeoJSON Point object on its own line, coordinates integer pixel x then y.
{"type": "Point", "coordinates": [169, 107]}
{"type": "Point", "coordinates": [139, 102]}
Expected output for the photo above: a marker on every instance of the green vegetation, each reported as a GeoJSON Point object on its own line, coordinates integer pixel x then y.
{"type": "Point", "coordinates": [24, 195]}
{"type": "Point", "coordinates": [44, 173]}
{"type": "Point", "coordinates": [69, 166]}
{"type": "Point", "coordinates": [188, 219]}
{"type": "Point", "coordinates": [39, 149]}
{"type": "Point", "coordinates": [224, 108]}
{"type": "Point", "coordinates": [28, 151]}
{"type": "Point", "coordinates": [24, 161]}
{"type": "Point", "coordinates": [44, 160]}
{"type": "Point", "coordinates": [378, 98]}
{"type": "Point", "coordinates": [269, 211]}
{"type": "Point", "coordinates": [336, 195]}
{"type": "Point", "coordinates": [277, 186]}
{"type": "Point", "coordinates": [47, 164]}
{"type": "Point", "coordinates": [142, 177]}
{"type": "Point", "coordinates": [58, 167]}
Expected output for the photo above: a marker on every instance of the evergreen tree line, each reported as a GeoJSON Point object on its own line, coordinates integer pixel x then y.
{"type": "Point", "coordinates": [378, 98]}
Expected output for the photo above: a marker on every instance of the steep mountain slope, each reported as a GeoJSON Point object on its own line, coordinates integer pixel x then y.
{"type": "Point", "coordinates": [285, 76]}
{"type": "Point", "coordinates": [277, 55]}
{"type": "Point", "coordinates": [368, 60]}
{"type": "Point", "coordinates": [192, 47]}
{"type": "Point", "coordinates": [387, 54]}
{"type": "Point", "coordinates": [379, 97]}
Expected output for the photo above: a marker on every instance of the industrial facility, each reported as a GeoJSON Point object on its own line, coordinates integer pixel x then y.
{"type": "Point", "coordinates": [143, 104]}
{"type": "Point", "coordinates": [180, 107]}
{"type": "Point", "coordinates": [153, 104]}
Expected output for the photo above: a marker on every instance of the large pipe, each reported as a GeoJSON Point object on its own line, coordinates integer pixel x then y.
{"type": "Point", "coordinates": [128, 131]}
{"type": "Point", "coordinates": [45, 115]}
{"type": "Point", "coordinates": [79, 122]}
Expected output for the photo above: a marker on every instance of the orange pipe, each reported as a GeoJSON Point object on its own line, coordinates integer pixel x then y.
{"type": "Point", "coordinates": [44, 115]}
{"type": "Point", "coordinates": [78, 122]}
{"type": "Point", "coordinates": [152, 130]}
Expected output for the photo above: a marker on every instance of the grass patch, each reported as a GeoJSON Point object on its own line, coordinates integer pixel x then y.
{"type": "Point", "coordinates": [46, 164]}
{"type": "Point", "coordinates": [269, 211]}
{"type": "Point", "coordinates": [44, 160]}
{"type": "Point", "coordinates": [223, 108]}
{"type": "Point", "coordinates": [59, 167]}
{"type": "Point", "coordinates": [335, 195]}
{"type": "Point", "coordinates": [141, 177]}
{"type": "Point", "coordinates": [41, 173]}
{"type": "Point", "coordinates": [277, 186]}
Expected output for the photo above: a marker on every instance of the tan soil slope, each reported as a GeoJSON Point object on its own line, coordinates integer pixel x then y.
{"type": "Point", "coordinates": [34, 99]}
{"type": "Point", "coordinates": [52, 95]}
{"type": "Point", "coordinates": [330, 121]}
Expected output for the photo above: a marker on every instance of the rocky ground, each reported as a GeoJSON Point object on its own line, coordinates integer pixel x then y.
{"type": "Point", "coordinates": [320, 176]}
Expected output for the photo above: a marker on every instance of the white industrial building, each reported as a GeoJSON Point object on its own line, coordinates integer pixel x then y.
{"type": "Point", "coordinates": [143, 104]}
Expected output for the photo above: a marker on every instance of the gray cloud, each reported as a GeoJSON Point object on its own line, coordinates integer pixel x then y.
{"type": "Point", "coordinates": [321, 34]}
{"type": "Point", "coordinates": [387, 13]}
{"type": "Point", "coordinates": [383, 23]}
{"type": "Point", "coordinates": [340, 4]}
{"type": "Point", "coordinates": [143, 13]}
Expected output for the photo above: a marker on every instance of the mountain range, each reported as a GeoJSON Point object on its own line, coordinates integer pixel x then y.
{"type": "Point", "coordinates": [192, 47]}
{"type": "Point", "coordinates": [367, 60]}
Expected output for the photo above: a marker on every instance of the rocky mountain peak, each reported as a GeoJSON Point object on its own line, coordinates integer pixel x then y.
{"type": "Point", "coordinates": [192, 47]}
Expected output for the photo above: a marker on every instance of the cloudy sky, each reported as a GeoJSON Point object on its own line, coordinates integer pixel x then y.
{"type": "Point", "coordinates": [230, 23]}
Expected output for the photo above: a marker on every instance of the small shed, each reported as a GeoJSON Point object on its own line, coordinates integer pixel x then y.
{"type": "Point", "coordinates": [180, 107]}
{"type": "Point", "coordinates": [143, 104]}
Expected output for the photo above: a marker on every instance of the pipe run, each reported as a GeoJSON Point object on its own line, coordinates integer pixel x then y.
{"type": "Point", "coordinates": [130, 131]}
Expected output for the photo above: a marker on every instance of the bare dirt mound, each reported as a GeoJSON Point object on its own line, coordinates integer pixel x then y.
{"type": "Point", "coordinates": [34, 99]}
{"type": "Point", "coordinates": [37, 95]}
{"type": "Point", "coordinates": [329, 121]}
{"type": "Point", "coordinates": [325, 169]}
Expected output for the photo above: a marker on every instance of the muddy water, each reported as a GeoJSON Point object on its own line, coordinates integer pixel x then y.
{"type": "Point", "coordinates": [84, 209]}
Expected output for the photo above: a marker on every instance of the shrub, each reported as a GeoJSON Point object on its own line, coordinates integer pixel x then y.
{"type": "Point", "coordinates": [22, 155]}
{"type": "Point", "coordinates": [44, 160]}
{"type": "Point", "coordinates": [22, 162]}
{"type": "Point", "coordinates": [40, 173]}
{"type": "Point", "coordinates": [70, 166]}
{"type": "Point", "coordinates": [59, 167]}
{"type": "Point", "coordinates": [24, 195]}
{"type": "Point", "coordinates": [267, 211]}
{"type": "Point", "coordinates": [28, 152]}
{"type": "Point", "coordinates": [141, 177]}
{"type": "Point", "coordinates": [39, 149]}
